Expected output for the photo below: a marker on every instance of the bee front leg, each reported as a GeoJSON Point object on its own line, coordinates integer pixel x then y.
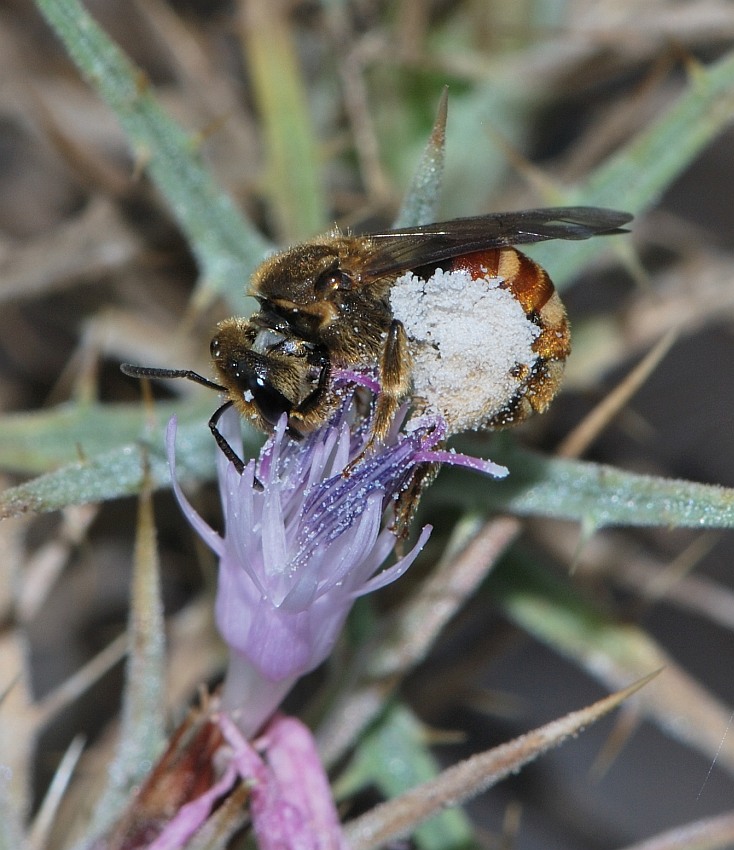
{"type": "Point", "coordinates": [395, 371]}
{"type": "Point", "coordinates": [224, 446]}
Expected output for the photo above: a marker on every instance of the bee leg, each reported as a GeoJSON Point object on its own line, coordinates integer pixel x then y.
{"type": "Point", "coordinates": [313, 399]}
{"type": "Point", "coordinates": [296, 416]}
{"type": "Point", "coordinates": [224, 446]}
{"type": "Point", "coordinates": [394, 377]}
{"type": "Point", "coordinates": [406, 504]}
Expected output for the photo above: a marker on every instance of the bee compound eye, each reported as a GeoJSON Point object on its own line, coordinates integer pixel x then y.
{"type": "Point", "coordinates": [214, 347]}
{"type": "Point", "coordinates": [270, 403]}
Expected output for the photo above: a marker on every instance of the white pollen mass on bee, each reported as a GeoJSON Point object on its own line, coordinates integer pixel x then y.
{"type": "Point", "coordinates": [470, 341]}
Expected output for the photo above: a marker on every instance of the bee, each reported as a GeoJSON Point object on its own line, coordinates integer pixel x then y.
{"type": "Point", "coordinates": [451, 315]}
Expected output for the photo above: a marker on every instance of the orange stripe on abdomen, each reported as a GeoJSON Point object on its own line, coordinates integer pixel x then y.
{"type": "Point", "coordinates": [527, 281]}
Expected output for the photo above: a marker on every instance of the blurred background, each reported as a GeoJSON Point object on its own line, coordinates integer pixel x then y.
{"type": "Point", "coordinates": [541, 94]}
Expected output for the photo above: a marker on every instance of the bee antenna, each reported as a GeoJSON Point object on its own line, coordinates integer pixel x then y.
{"type": "Point", "coordinates": [152, 372]}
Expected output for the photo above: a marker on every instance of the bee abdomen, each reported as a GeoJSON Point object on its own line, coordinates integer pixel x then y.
{"type": "Point", "coordinates": [532, 288]}
{"type": "Point", "coordinates": [527, 281]}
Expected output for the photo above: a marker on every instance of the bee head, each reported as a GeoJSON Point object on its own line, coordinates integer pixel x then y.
{"type": "Point", "coordinates": [266, 373]}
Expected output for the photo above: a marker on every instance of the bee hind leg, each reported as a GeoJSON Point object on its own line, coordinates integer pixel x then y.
{"type": "Point", "coordinates": [406, 504]}
{"type": "Point", "coordinates": [395, 372]}
{"type": "Point", "coordinates": [394, 377]}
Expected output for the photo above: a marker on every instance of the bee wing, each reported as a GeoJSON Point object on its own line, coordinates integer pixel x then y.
{"type": "Point", "coordinates": [410, 247]}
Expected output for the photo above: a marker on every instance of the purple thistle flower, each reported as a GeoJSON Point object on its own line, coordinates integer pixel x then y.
{"type": "Point", "coordinates": [304, 543]}
{"type": "Point", "coordinates": [305, 535]}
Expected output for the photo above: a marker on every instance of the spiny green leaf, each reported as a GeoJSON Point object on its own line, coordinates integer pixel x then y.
{"type": "Point", "coordinates": [636, 176]}
{"type": "Point", "coordinates": [226, 245]}
{"type": "Point", "coordinates": [421, 198]}
{"type": "Point", "coordinates": [141, 737]}
{"type": "Point", "coordinates": [555, 612]}
{"type": "Point", "coordinates": [395, 757]}
{"type": "Point", "coordinates": [595, 494]}
{"type": "Point", "coordinates": [98, 452]}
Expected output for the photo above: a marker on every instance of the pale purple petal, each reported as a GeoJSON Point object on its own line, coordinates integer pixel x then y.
{"type": "Point", "coordinates": [207, 534]}
{"type": "Point", "coordinates": [291, 803]}
{"type": "Point", "coordinates": [452, 458]}
{"type": "Point", "coordinates": [302, 785]}
{"type": "Point", "coordinates": [399, 568]}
